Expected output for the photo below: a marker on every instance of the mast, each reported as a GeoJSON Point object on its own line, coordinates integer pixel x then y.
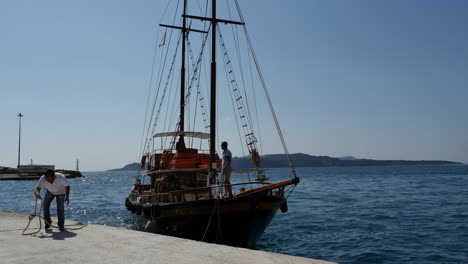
{"type": "Point", "coordinates": [213, 88]}
{"type": "Point", "coordinates": [19, 139]}
{"type": "Point", "coordinates": [214, 20]}
{"type": "Point", "coordinates": [184, 30]}
{"type": "Point", "coordinates": [182, 71]}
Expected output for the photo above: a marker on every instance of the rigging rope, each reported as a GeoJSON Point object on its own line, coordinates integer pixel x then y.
{"type": "Point", "coordinates": [163, 62]}
{"type": "Point", "coordinates": [283, 142]}
{"type": "Point", "coordinates": [237, 45]}
{"type": "Point", "coordinates": [236, 119]}
{"type": "Point", "coordinates": [200, 96]}
{"type": "Point", "coordinates": [151, 81]}
{"type": "Point", "coordinates": [189, 90]}
{"type": "Point", "coordinates": [197, 99]}
{"type": "Point", "coordinates": [255, 104]}
{"type": "Point", "coordinates": [149, 95]}
{"type": "Point", "coordinates": [195, 71]}
{"type": "Point", "coordinates": [174, 103]}
{"type": "Point", "coordinates": [244, 113]}
{"type": "Point", "coordinates": [165, 87]}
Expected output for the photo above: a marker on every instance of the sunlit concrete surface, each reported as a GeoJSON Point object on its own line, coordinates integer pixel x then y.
{"type": "Point", "coordinates": [104, 244]}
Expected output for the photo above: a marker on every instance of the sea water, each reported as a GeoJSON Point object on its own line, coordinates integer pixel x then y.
{"type": "Point", "coordinates": [388, 214]}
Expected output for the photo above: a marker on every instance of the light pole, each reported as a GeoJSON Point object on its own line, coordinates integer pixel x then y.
{"type": "Point", "coordinates": [19, 139]}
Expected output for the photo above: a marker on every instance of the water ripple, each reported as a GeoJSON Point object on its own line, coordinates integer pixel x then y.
{"type": "Point", "coordinates": [395, 214]}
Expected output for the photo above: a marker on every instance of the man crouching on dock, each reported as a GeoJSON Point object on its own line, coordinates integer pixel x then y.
{"type": "Point", "coordinates": [57, 187]}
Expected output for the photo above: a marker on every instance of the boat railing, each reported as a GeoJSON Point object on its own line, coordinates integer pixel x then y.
{"type": "Point", "coordinates": [145, 194]}
{"type": "Point", "coordinates": [161, 151]}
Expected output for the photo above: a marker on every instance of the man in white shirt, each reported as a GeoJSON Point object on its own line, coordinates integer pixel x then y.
{"type": "Point", "coordinates": [57, 187]}
{"type": "Point", "coordinates": [226, 168]}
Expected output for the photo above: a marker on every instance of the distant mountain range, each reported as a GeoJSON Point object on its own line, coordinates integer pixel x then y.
{"type": "Point", "coordinates": [129, 167]}
{"type": "Point", "coordinates": [347, 158]}
{"type": "Point", "coordinates": [305, 160]}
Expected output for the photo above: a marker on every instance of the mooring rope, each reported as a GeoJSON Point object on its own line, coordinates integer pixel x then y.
{"type": "Point", "coordinates": [33, 215]}
{"type": "Point", "coordinates": [216, 203]}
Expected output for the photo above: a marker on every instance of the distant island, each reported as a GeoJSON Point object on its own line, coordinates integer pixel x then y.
{"type": "Point", "coordinates": [129, 167]}
{"type": "Point", "coordinates": [305, 160]}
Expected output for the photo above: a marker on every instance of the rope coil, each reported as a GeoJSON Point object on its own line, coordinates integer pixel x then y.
{"type": "Point", "coordinates": [34, 214]}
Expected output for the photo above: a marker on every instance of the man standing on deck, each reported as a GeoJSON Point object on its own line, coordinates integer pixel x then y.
{"type": "Point", "coordinates": [226, 168]}
{"type": "Point", "coordinates": [57, 187]}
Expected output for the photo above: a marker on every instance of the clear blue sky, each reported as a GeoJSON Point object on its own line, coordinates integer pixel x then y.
{"type": "Point", "coordinates": [373, 79]}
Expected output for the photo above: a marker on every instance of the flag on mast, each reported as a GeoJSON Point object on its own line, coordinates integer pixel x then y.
{"type": "Point", "coordinates": [163, 41]}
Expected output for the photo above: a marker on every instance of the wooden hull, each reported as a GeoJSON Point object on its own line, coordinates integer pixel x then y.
{"type": "Point", "coordinates": [232, 221]}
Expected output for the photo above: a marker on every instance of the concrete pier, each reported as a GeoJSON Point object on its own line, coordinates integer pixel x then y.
{"type": "Point", "coordinates": [104, 244]}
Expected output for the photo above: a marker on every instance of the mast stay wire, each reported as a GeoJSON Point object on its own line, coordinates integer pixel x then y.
{"type": "Point", "coordinates": [161, 72]}
{"type": "Point", "coordinates": [235, 118]}
{"type": "Point", "coordinates": [230, 92]}
{"type": "Point", "coordinates": [191, 62]}
{"type": "Point", "coordinates": [171, 71]}
{"type": "Point", "coordinates": [162, 66]}
{"type": "Point", "coordinates": [202, 99]}
{"type": "Point", "coordinates": [241, 70]}
{"type": "Point", "coordinates": [255, 103]}
{"type": "Point", "coordinates": [200, 96]}
{"type": "Point", "coordinates": [231, 87]}
{"type": "Point", "coordinates": [189, 88]}
{"type": "Point", "coordinates": [172, 114]}
{"type": "Point", "coordinates": [206, 27]}
{"type": "Point", "coordinates": [194, 75]}
{"type": "Point", "coordinates": [142, 147]}
{"type": "Point", "coordinates": [163, 140]}
{"type": "Point", "coordinates": [196, 64]}
{"type": "Point", "coordinates": [283, 142]}
{"type": "Point", "coordinates": [237, 45]}
{"type": "Point", "coordinates": [149, 93]}
{"type": "Point", "coordinates": [198, 89]}
{"type": "Point", "coordinates": [187, 62]}
{"type": "Point", "coordinates": [244, 113]}
{"type": "Point", "coordinates": [196, 70]}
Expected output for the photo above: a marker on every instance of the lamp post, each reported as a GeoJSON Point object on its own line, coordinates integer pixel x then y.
{"type": "Point", "coordinates": [19, 139]}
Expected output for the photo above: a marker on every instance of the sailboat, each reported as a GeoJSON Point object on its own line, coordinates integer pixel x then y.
{"type": "Point", "coordinates": [178, 191]}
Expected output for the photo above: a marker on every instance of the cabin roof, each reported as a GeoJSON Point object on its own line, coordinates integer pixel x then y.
{"type": "Point", "coordinates": [184, 133]}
